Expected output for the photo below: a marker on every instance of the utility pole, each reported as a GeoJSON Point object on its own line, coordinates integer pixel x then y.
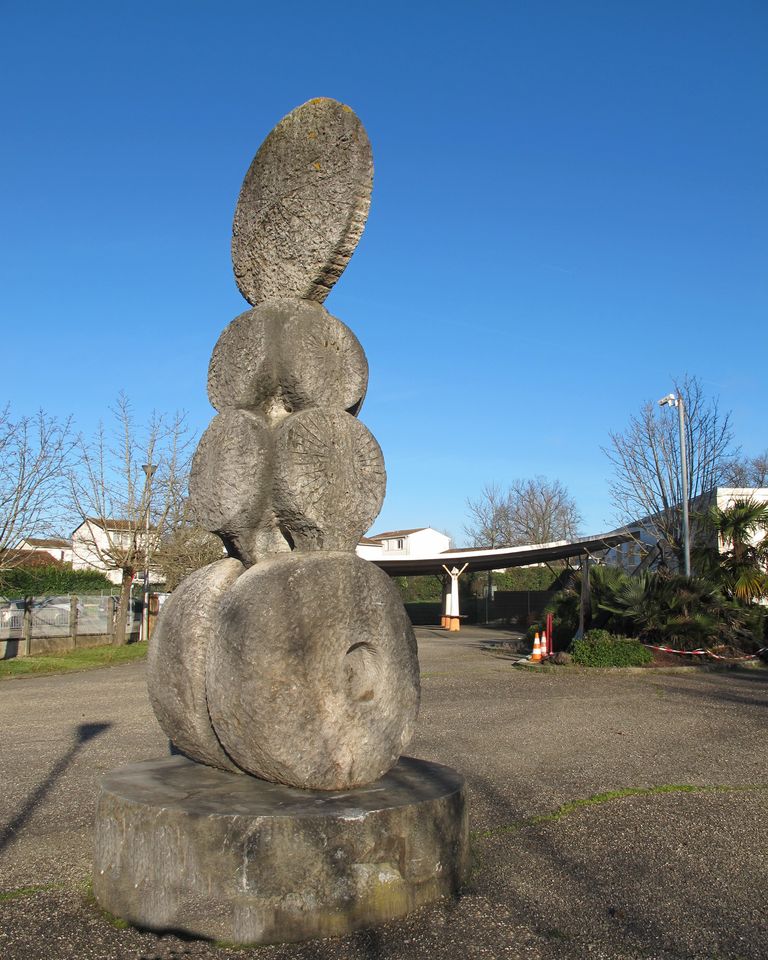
{"type": "Point", "coordinates": [676, 400]}
{"type": "Point", "coordinates": [149, 472]}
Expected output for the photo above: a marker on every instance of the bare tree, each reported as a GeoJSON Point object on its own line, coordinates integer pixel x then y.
{"type": "Point", "coordinates": [540, 511]}
{"type": "Point", "coordinates": [647, 482]}
{"type": "Point", "coordinates": [185, 547]}
{"type": "Point", "coordinates": [34, 452]}
{"type": "Point", "coordinates": [116, 500]}
{"type": "Point", "coordinates": [533, 510]}
{"type": "Point", "coordinates": [488, 525]}
{"type": "Point", "coordinates": [752, 472]}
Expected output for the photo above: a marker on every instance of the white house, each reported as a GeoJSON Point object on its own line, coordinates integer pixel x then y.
{"type": "Point", "coordinates": [414, 543]}
{"type": "Point", "coordinates": [94, 541]}
{"type": "Point", "coordinates": [56, 547]}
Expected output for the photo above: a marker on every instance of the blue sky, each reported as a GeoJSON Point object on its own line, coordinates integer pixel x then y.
{"type": "Point", "coordinates": [569, 209]}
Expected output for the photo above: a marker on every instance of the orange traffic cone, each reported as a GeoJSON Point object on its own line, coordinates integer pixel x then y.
{"type": "Point", "coordinates": [536, 655]}
{"type": "Point", "coordinates": [544, 647]}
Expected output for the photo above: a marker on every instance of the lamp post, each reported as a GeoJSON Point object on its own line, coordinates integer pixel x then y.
{"type": "Point", "coordinates": [149, 472]}
{"type": "Point", "coordinates": [676, 400]}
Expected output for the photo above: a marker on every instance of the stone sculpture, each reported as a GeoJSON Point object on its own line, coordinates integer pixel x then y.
{"type": "Point", "coordinates": [286, 673]}
{"type": "Point", "coordinates": [293, 660]}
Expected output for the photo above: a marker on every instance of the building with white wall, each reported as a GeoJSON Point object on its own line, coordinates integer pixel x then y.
{"type": "Point", "coordinates": [416, 542]}
{"type": "Point", "coordinates": [100, 545]}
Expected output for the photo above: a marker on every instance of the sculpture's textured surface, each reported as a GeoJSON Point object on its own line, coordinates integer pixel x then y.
{"type": "Point", "coordinates": [303, 668]}
{"type": "Point", "coordinates": [329, 479]}
{"type": "Point", "coordinates": [187, 849]}
{"type": "Point", "coordinates": [231, 475]}
{"type": "Point", "coordinates": [284, 356]}
{"type": "Point", "coordinates": [303, 204]}
{"type": "Point", "coordinates": [320, 691]}
{"type": "Point", "coordinates": [178, 655]}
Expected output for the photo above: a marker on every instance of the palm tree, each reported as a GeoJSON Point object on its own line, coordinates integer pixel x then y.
{"type": "Point", "coordinates": [741, 531]}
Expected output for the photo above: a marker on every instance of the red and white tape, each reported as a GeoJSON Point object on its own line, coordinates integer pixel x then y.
{"type": "Point", "coordinates": [701, 652]}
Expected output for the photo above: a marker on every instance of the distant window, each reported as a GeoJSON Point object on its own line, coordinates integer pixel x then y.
{"type": "Point", "coordinates": [400, 543]}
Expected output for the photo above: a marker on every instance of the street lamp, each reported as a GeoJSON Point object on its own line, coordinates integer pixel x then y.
{"type": "Point", "coordinates": [676, 400]}
{"type": "Point", "coordinates": [149, 472]}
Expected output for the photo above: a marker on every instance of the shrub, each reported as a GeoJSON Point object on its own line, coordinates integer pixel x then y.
{"type": "Point", "coordinates": [598, 648]}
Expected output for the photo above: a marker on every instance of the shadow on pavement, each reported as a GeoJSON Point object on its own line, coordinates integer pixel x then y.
{"type": "Point", "coordinates": [84, 732]}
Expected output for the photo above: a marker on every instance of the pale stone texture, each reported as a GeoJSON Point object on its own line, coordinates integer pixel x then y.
{"type": "Point", "coordinates": [329, 479]}
{"type": "Point", "coordinates": [177, 658]}
{"type": "Point", "coordinates": [231, 478]}
{"type": "Point", "coordinates": [185, 848]}
{"type": "Point", "coordinates": [284, 356]}
{"type": "Point", "coordinates": [313, 676]}
{"type": "Point", "coordinates": [303, 204]}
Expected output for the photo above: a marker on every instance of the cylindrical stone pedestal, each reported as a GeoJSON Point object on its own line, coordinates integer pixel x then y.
{"type": "Point", "coordinates": [188, 848]}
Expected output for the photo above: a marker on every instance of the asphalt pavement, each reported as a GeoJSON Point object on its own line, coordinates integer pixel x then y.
{"type": "Point", "coordinates": [615, 814]}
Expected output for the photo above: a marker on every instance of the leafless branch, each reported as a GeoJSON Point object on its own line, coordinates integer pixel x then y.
{"type": "Point", "coordinates": [646, 461]}
{"type": "Point", "coordinates": [34, 454]}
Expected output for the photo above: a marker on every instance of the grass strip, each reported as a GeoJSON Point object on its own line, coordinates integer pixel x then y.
{"type": "Point", "coordinates": [28, 891]}
{"type": "Point", "coordinates": [85, 658]}
{"type": "Point", "coordinates": [573, 806]}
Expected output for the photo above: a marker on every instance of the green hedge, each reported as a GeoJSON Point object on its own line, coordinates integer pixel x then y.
{"type": "Point", "coordinates": [524, 578]}
{"type": "Point", "coordinates": [598, 648]}
{"type": "Point", "coordinates": [420, 589]}
{"type": "Point", "coordinates": [52, 580]}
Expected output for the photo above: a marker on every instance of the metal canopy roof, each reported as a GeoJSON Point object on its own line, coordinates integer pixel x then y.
{"type": "Point", "coordinates": [503, 557]}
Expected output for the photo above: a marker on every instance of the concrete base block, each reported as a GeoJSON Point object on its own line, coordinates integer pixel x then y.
{"type": "Point", "coordinates": [187, 848]}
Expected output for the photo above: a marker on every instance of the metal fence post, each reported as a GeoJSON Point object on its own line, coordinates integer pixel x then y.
{"type": "Point", "coordinates": [27, 626]}
{"type": "Point", "coordinates": [73, 619]}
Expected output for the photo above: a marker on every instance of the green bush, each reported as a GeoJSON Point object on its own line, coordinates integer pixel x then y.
{"type": "Point", "coordinates": [598, 648]}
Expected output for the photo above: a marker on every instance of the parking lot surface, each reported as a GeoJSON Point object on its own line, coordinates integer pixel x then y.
{"type": "Point", "coordinates": [614, 814]}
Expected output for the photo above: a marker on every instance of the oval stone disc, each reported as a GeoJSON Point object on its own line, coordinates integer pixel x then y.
{"type": "Point", "coordinates": [176, 661]}
{"type": "Point", "coordinates": [313, 677]}
{"type": "Point", "coordinates": [229, 484]}
{"type": "Point", "coordinates": [287, 355]}
{"type": "Point", "coordinates": [303, 204]}
{"type": "Point", "coordinates": [329, 479]}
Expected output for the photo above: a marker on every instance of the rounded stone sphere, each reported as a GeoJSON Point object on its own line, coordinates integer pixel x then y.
{"type": "Point", "coordinates": [286, 355]}
{"type": "Point", "coordinates": [329, 479]}
{"type": "Point", "coordinates": [312, 674]}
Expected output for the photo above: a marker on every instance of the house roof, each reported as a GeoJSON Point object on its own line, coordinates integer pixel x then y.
{"type": "Point", "coordinates": [389, 534]}
{"type": "Point", "coordinates": [29, 558]}
{"type": "Point", "coordinates": [58, 543]}
{"type": "Point", "coordinates": [108, 523]}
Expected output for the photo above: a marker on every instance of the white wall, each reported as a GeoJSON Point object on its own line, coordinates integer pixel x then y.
{"type": "Point", "coordinates": [369, 551]}
{"type": "Point", "coordinates": [91, 542]}
{"type": "Point", "coordinates": [422, 543]}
